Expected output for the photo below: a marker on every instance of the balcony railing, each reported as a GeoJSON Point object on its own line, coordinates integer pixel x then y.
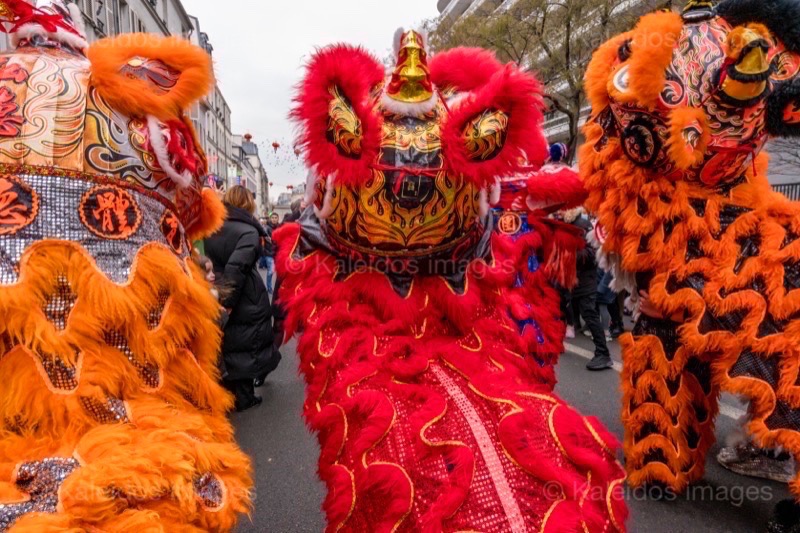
{"type": "Point", "coordinates": [789, 190]}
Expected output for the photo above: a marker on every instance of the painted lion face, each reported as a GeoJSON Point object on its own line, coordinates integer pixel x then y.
{"type": "Point", "coordinates": [404, 159]}
{"type": "Point", "coordinates": [695, 96]}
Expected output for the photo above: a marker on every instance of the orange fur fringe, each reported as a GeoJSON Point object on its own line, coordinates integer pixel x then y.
{"type": "Point", "coordinates": [135, 97]}
{"type": "Point", "coordinates": [209, 220]}
{"type": "Point", "coordinates": [136, 474]}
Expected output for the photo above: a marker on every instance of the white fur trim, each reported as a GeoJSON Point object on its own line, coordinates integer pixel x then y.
{"type": "Point", "coordinates": [571, 215]}
{"type": "Point", "coordinates": [484, 203]}
{"type": "Point", "coordinates": [327, 202]}
{"type": "Point", "coordinates": [78, 42]}
{"type": "Point", "coordinates": [457, 99]}
{"type": "Point", "coordinates": [159, 138]}
{"type": "Point", "coordinates": [407, 109]}
{"type": "Point", "coordinates": [494, 192]}
{"type": "Point", "coordinates": [77, 18]}
{"type": "Point", "coordinates": [28, 31]}
{"type": "Point", "coordinates": [535, 205]}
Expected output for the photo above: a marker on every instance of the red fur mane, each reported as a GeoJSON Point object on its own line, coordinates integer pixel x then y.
{"type": "Point", "coordinates": [490, 85]}
{"type": "Point", "coordinates": [356, 73]}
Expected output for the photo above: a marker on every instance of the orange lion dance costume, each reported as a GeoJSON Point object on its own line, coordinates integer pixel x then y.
{"type": "Point", "coordinates": [681, 108]}
{"type": "Point", "coordinates": [430, 412]}
{"type": "Point", "coordinates": [111, 418]}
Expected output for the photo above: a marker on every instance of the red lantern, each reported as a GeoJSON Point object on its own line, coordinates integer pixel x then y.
{"type": "Point", "coordinates": [297, 152]}
{"type": "Point", "coordinates": [271, 184]}
{"type": "Point", "coordinates": [275, 146]}
{"type": "Point", "coordinates": [290, 187]}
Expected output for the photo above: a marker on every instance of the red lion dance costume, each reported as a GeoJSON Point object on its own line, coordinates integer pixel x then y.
{"type": "Point", "coordinates": [542, 251]}
{"type": "Point", "coordinates": [430, 413]}
{"type": "Point", "coordinates": [681, 108]}
{"type": "Point", "coordinates": [111, 418]}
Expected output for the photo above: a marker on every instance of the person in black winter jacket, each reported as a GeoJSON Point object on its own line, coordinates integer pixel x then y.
{"type": "Point", "coordinates": [249, 345]}
{"type": "Point", "coordinates": [584, 298]}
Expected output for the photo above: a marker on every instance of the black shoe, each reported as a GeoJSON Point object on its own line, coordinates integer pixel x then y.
{"type": "Point", "coordinates": [786, 518]}
{"type": "Point", "coordinates": [254, 403]}
{"type": "Point", "coordinates": [600, 362]}
{"type": "Point", "coordinates": [616, 331]}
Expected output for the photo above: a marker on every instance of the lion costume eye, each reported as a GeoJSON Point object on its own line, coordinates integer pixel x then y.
{"type": "Point", "coordinates": [624, 53]}
{"type": "Point", "coordinates": [485, 135]}
{"type": "Point", "coordinates": [621, 79]}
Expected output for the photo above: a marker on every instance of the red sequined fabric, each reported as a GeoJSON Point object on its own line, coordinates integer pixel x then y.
{"type": "Point", "coordinates": [428, 416]}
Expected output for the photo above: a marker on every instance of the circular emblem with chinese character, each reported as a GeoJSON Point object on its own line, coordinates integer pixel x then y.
{"type": "Point", "coordinates": [19, 204]}
{"type": "Point", "coordinates": [172, 230]}
{"type": "Point", "coordinates": [110, 212]}
{"type": "Point", "coordinates": [510, 223]}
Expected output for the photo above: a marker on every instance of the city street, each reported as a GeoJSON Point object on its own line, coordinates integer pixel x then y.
{"type": "Point", "coordinates": [288, 494]}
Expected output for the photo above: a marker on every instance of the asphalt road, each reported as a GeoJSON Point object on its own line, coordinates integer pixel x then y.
{"type": "Point", "coordinates": [288, 495]}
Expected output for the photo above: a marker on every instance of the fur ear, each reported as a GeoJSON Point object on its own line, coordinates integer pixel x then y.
{"type": "Point", "coordinates": [496, 129]}
{"type": "Point", "coordinates": [652, 43]}
{"type": "Point", "coordinates": [340, 129]}
{"type": "Point", "coordinates": [463, 69]}
{"type": "Point", "coordinates": [600, 69]}
{"type": "Point", "coordinates": [141, 74]}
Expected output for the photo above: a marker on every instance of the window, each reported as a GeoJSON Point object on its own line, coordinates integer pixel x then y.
{"type": "Point", "coordinates": [104, 15]}
{"type": "Point", "coordinates": [124, 17]}
{"type": "Point", "coordinates": [136, 24]}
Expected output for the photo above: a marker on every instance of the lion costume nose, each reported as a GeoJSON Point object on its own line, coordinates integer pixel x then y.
{"type": "Point", "coordinates": [748, 69]}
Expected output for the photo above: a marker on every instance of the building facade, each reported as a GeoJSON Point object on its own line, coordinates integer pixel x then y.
{"type": "Point", "coordinates": [250, 149]}
{"type": "Point", "coordinates": [211, 118]}
{"type": "Point", "coordinates": [104, 18]}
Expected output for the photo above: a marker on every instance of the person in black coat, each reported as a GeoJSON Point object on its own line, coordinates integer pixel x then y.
{"type": "Point", "coordinates": [249, 345]}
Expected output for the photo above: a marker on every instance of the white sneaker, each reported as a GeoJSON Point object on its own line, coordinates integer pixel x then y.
{"type": "Point", "coordinates": [570, 332]}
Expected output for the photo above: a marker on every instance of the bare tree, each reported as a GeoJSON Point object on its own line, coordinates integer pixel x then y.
{"type": "Point", "coordinates": [553, 38]}
{"type": "Point", "coordinates": [784, 160]}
